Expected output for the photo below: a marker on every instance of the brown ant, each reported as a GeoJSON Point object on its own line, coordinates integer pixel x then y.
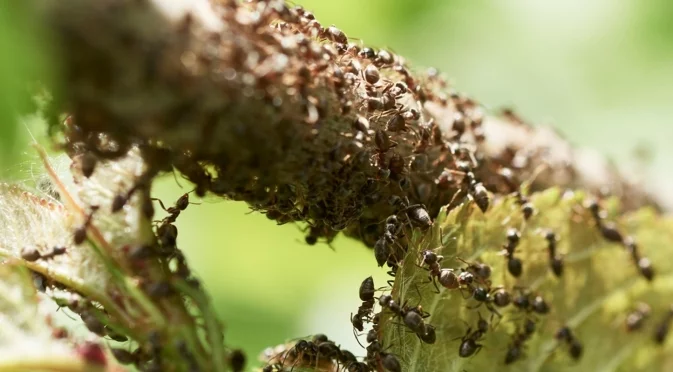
{"type": "Point", "coordinates": [479, 270]}
{"type": "Point", "coordinates": [411, 316]}
{"type": "Point", "coordinates": [80, 233]}
{"type": "Point", "coordinates": [446, 277]}
{"type": "Point", "coordinates": [173, 212]}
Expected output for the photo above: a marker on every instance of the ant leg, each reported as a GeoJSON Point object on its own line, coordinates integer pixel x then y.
{"type": "Point", "coordinates": [357, 338]}
{"type": "Point", "coordinates": [160, 203]}
{"type": "Point", "coordinates": [479, 346]}
{"type": "Point", "coordinates": [463, 294]}
{"type": "Point", "coordinates": [475, 306]}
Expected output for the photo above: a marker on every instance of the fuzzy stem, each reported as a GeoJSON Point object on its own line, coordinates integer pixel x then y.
{"type": "Point", "coordinates": [259, 102]}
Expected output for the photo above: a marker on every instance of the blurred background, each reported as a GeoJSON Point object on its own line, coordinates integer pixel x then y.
{"type": "Point", "coordinates": [601, 72]}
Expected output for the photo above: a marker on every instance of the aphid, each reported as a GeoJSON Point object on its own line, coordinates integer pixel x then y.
{"type": "Point", "coordinates": [662, 329]}
{"type": "Point", "coordinates": [636, 318]}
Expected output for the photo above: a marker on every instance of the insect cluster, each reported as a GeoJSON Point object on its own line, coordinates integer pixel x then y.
{"type": "Point", "coordinates": [306, 125]}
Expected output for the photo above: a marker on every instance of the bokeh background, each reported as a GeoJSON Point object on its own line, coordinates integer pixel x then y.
{"type": "Point", "coordinates": [600, 71]}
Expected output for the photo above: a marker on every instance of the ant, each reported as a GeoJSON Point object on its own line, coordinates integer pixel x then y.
{"type": "Point", "coordinates": [526, 206]}
{"type": "Point", "coordinates": [173, 212]}
{"type": "Point", "coordinates": [607, 229]}
{"type": "Point", "coordinates": [636, 318]}
{"type": "Point", "coordinates": [564, 334]}
{"type": "Point", "coordinates": [501, 297]}
{"type": "Point", "coordinates": [411, 316]}
{"type": "Point", "coordinates": [515, 350]}
{"type": "Point", "coordinates": [555, 261]}
{"type": "Point", "coordinates": [376, 356]}
{"type": "Point", "coordinates": [526, 302]}
{"type": "Point", "coordinates": [479, 270]}
{"type": "Point", "coordinates": [417, 214]}
{"type": "Point", "coordinates": [644, 264]}
{"type": "Point", "coordinates": [514, 264]}
{"type": "Point", "coordinates": [468, 345]}
{"type": "Point", "coordinates": [483, 296]}
{"type": "Point", "coordinates": [364, 311]}
{"type": "Point", "coordinates": [80, 233]}
{"type": "Point", "coordinates": [663, 327]}
{"type": "Point", "coordinates": [446, 277]}
{"type": "Point", "coordinates": [31, 254]}
{"type": "Point", "coordinates": [382, 247]}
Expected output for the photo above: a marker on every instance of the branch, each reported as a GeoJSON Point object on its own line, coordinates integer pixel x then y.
{"type": "Point", "coordinates": [259, 102]}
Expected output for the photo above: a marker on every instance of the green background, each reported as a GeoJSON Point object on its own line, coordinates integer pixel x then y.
{"type": "Point", "coordinates": [601, 72]}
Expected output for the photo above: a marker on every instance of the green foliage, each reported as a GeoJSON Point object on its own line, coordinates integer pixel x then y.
{"type": "Point", "coordinates": [21, 66]}
{"type": "Point", "coordinates": [599, 286]}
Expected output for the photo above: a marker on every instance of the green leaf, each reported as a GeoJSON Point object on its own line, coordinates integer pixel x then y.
{"type": "Point", "coordinates": [599, 286]}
